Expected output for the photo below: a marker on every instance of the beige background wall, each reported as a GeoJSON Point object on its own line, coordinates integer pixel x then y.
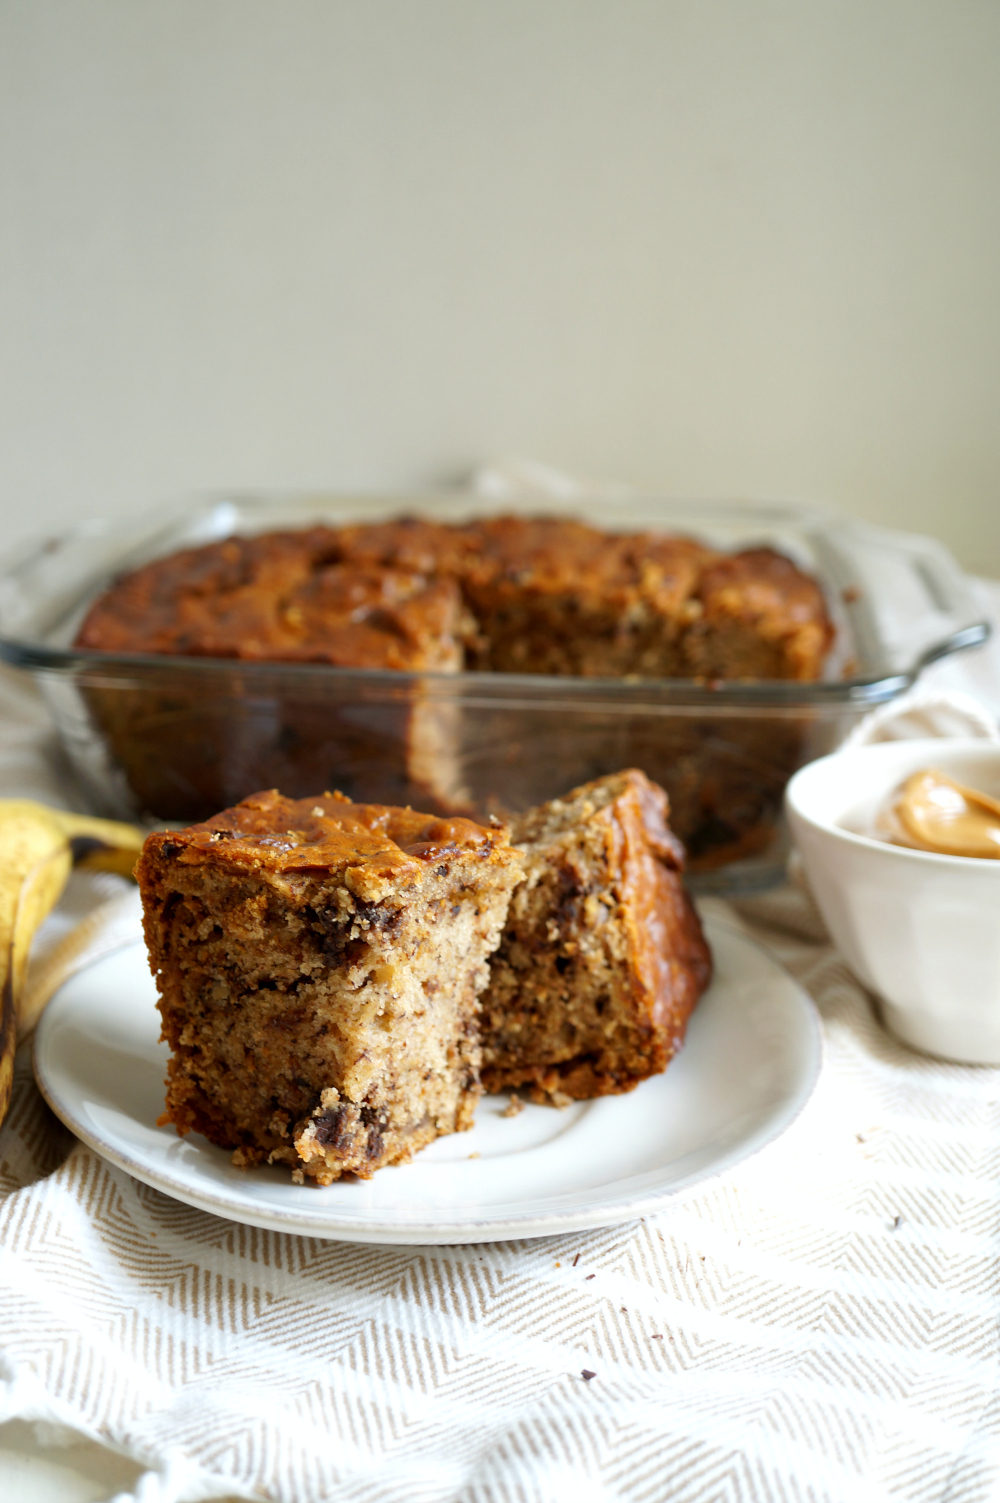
{"type": "Point", "coordinates": [708, 246]}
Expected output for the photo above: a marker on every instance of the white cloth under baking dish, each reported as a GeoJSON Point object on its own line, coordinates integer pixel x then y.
{"type": "Point", "coordinates": [818, 1325]}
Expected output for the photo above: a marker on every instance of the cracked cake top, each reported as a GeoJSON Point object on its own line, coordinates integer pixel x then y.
{"type": "Point", "coordinates": [367, 845]}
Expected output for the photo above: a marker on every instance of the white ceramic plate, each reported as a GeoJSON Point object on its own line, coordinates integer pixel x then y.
{"type": "Point", "coordinates": [750, 1062]}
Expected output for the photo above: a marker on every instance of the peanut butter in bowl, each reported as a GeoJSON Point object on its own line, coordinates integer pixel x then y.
{"type": "Point", "coordinates": [891, 838]}
{"type": "Point", "coordinates": [931, 811]}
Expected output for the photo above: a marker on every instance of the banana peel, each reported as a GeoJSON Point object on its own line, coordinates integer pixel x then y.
{"type": "Point", "coordinates": [39, 847]}
{"type": "Point", "coordinates": [103, 845]}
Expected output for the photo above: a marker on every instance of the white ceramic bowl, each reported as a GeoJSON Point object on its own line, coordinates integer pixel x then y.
{"type": "Point", "coordinates": [920, 930]}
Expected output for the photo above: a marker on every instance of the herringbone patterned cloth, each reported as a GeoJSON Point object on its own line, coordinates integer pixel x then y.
{"type": "Point", "coordinates": [821, 1324]}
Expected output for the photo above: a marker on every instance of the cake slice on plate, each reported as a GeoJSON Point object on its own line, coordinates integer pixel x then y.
{"type": "Point", "coordinates": [319, 964]}
{"type": "Point", "coordinates": [602, 957]}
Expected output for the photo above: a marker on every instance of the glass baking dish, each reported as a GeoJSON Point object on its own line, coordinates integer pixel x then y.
{"type": "Point", "coordinates": [175, 739]}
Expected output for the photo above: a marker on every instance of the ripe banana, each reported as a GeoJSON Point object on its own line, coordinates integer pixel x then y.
{"type": "Point", "coordinates": [38, 847]}
{"type": "Point", "coordinates": [101, 844]}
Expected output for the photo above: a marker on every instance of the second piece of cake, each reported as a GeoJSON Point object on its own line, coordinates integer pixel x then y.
{"type": "Point", "coordinates": [602, 957]}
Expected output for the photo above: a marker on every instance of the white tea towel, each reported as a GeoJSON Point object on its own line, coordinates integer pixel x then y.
{"type": "Point", "coordinates": [926, 712]}
{"type": "Point", "coordinates": [819, 1324]}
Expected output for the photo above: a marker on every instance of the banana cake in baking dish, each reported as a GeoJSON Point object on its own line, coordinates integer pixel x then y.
{"type": "Point", "coordinates": [431, 602]}
{"type": "Point", "coordinates": [320, 966]}
{"type": "Point", "coordinates": [505, 594]}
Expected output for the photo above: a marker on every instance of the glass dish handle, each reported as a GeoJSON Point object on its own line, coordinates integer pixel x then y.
{"type": "Point", "coordinates": [948, 591]}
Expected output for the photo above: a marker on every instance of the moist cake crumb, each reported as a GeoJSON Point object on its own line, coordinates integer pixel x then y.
{"type": "Point", "coordinates": [602, 957]}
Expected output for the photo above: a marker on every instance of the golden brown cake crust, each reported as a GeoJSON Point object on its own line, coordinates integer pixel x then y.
{"type": "Point", "coordinates": [281, 597]}
{"type": "Point", "coordinates": [362, 843]}
{"type": "Point", "coordinates": [507, 593]}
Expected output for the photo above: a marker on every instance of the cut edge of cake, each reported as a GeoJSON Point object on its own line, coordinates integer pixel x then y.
{"type": "Point", "coordinates": [602, 958]}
